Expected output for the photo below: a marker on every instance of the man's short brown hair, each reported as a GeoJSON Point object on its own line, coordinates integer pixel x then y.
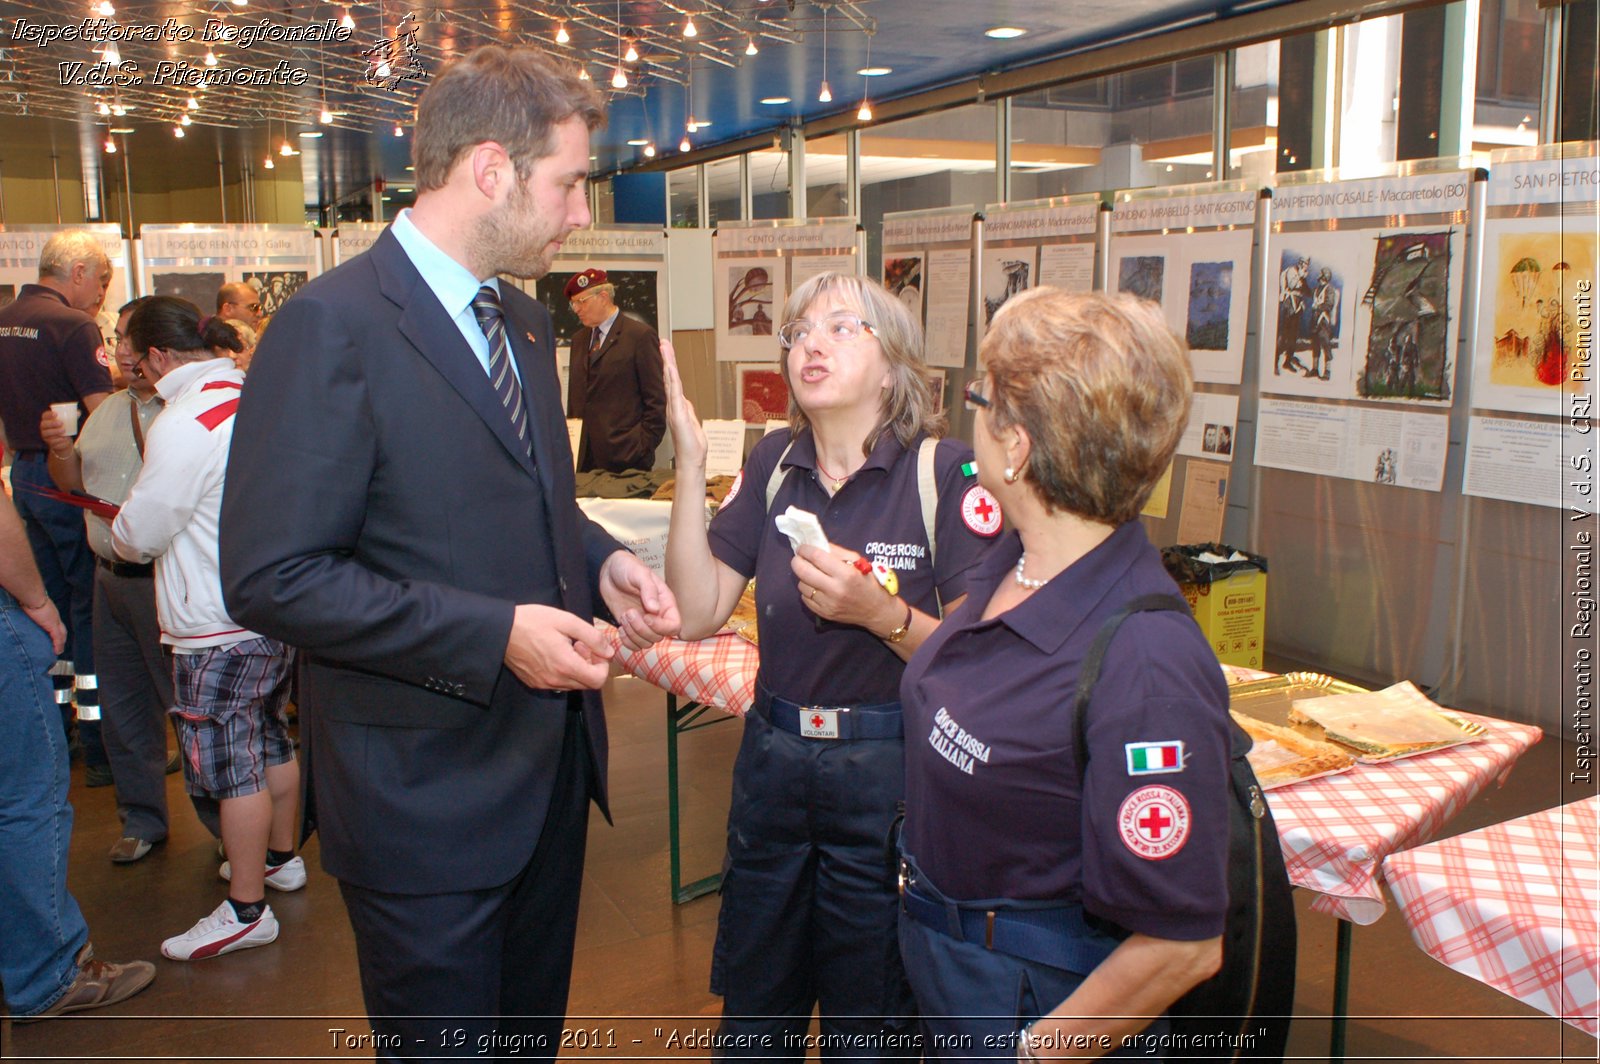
{"type": "Point", "coordinates": [514, 97]}
{"type": "Point", "coordinates": [1103, 388]}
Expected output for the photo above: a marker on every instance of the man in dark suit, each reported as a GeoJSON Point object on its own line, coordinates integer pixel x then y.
{"type": "Point", "coordinates": [400, 506]}
{"type": "Point", "coordinates": [615, 386]}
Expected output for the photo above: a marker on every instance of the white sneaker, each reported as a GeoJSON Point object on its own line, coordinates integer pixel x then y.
{"type": "Point", "coordinates": [221, 932]}
{"type": "Point", "coordinates": [291, 875]}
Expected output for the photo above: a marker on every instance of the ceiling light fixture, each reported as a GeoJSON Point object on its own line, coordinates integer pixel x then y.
{"type": "Point", "coordinates": [562, 36]}
{"type": "Point", "coordinates": [649, 151]}
{"type": "Point", "coordinates": [619, 77]}
{"type": "Point", "coordinates": [583, 73]}
{"type": "Point", "coordinates": [111, 146]}
{"type": "Point", "coordinates": [865, 113]}
{"type": "Point", "coordinates": [1004, 33]}
{"type": "Point", "coordinates": [177, 131]}
{"type": "Point", "coordinates": [637, 143]}
{"type": "Point", "coordinates": [211, 58]}
{"type": "Point", "coordinates": [103, 108]}
{"type": "Point", "coordinates": [185, 120]}
{"type": "Point", "coordinates": [122, 129]}
{"type": "Point", "coordinates": [105, 10]}
{"type": "Point", "coordinates": [875, 71]}
{"type": "Point", "coordinates": [775, 101]}
{"type": "Point", "coordinates": [326, 117]}
{"type": "Point", "coordinates": [347, 23]}
{"type": "Point", "coordinates": [689, 29]}
{"type": "Point", "coordinates": [684, 145]}
{"type": "Point", "coordinates": [118, 109]}
{"type": "Point", "coordinates": [269, 164]}
{"type": "Point", "coordinates": [192, 104]}
{"type": "Point", "coordinates": [633, 52]}
{"type": "Point", "coordinates": [111, 56]}
{"type": "Point", "coordinates": [826, 95]}
{"type": "Point", "coordinates": [286, 149]}
{"type": "Point", "coordinates": [751, 49]}
{"type": "Point", "coordinates": [309, 134]}
{"type": "Point", "coordinates": [400, 131]}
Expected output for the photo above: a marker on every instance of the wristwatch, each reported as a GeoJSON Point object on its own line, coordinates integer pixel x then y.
{"type": "Point", "coordinates": [897, 634]}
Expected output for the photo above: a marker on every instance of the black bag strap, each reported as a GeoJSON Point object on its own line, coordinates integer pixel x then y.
{"type": "Point", "coordinates": [1089, 674]}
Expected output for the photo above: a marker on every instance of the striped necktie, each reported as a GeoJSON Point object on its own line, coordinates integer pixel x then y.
{"type": "Point", "coordinates": [486, 306]}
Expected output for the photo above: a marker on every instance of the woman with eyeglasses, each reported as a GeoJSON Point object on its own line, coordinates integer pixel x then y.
{"type": "Point", "coordinates": [1066, 856]}
{"type": "Point", "coordinates": [808, 896]}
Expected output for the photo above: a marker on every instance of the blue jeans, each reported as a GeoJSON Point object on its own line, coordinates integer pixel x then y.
{"type": "Point", "coordinates": [42, 929]}
{"type": "Point", "coordinates": [61, 549]}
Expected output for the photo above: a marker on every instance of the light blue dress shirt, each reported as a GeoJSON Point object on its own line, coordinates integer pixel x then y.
{"type": "Point", "coordinates": [451, 282]}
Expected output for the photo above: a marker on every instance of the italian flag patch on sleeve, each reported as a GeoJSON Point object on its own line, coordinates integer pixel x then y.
{"type": "Point", "coordinates": [1154, 759]}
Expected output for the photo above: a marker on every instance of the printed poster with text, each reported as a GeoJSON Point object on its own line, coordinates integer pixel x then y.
{"type": "Point", "coordinates": [927, 265]}
{"type": "Point", "coordinates": [1024, 245]}
{"type": "Point", "coordinates": [20, 246]}
{"type": "Point", "coordinates": [755, 268]}
{"type": "Point", "coordinates": [192, 262]}
{"type": "Point", "coordinates": [1535, 338]}
{"type": "Point", "coordinates": [1364, 289]}
{"type": "Point", "coordinates": [1190, 255]}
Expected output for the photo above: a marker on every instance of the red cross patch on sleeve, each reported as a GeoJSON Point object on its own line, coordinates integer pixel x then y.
{"type": "Point", "coordinates": [738, 482]}
{"type": "Point", "coordinates": [101, 357]}
{"type": "Point", "coordinates": [1154, 822]}
{"type": "Point", "coordinates": [980, 511]}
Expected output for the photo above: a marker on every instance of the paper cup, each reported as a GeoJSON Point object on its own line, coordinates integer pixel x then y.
{"type": "Point", "coordinates": [68, 413]}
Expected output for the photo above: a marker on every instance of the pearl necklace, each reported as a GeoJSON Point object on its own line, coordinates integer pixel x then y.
{"type": "Point", "coordinates": [1024, 582]}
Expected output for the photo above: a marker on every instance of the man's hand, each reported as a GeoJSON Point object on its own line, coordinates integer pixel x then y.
{"type": "Point", "coordinates": [54, 434]}
{"type": "Point", "coordinates": [643, 605]}
{"type": "Point", "coordinates": [554, 650]}
{"type": "Point", "coordinates": [46, 617]}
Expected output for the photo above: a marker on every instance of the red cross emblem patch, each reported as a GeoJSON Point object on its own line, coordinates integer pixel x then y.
{"type": "Point", "coordinates": [980, 511]}
{"type": "Point", "coordinates": [819, 723]}
{"type": "Point", "coordinates": [738, 482]}
{"type": "Point", "coordinates": [1154, 822]}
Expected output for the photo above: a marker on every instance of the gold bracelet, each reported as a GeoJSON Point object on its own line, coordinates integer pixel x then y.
{"type": "Point", "coordinates": [896, 635]}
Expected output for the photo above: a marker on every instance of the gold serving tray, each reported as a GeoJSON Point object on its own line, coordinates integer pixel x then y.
{"type": "Point", "coordinates": [1271, 699]}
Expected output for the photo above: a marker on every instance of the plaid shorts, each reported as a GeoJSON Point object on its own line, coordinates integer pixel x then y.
{"type": "Point", "coordinates": [231, 716]}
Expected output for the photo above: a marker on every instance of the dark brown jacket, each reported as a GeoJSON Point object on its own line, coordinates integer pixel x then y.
{"type": "Point", "coordinates": [619, 396]}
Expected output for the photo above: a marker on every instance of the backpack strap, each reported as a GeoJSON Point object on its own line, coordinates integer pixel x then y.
{"type": "Point", "coordinates": [1089, 674]}
{"type": "Point", "coordinates": [775, 481]}
{"type": "Point", "coordinates": [928, 493]}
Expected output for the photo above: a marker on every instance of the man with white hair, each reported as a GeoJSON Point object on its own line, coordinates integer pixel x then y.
{"type": "Point", "coordinates": [51, 351]}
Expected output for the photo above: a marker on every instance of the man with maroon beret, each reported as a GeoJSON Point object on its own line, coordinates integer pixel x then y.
{"type": "Point", "coordinates": [615, 387]}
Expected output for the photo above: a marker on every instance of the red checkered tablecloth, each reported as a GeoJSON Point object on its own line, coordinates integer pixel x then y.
{"type": "Point", "coordinates": [719, 671]}
{"type": "Point", "coordinates": [1513, 905]}
{"type": "Point", "coordinates": [1336, 830]}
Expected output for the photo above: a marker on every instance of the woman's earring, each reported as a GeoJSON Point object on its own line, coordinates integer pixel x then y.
{"type": "Point", "coordinates": [1010, 475]}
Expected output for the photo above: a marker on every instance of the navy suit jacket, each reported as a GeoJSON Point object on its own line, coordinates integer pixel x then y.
{"type": "Point", "coordinates": [380, 514]}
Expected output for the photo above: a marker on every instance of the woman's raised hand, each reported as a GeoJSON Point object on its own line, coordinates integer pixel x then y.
{"type": "Point", "coordinates": [688, 438]}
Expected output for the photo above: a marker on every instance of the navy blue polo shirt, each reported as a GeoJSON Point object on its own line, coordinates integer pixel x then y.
{"type": "Point", "coordinates": [993, 804]}
{"type": "Point", "coordinates": [878, 513]}
{"type": "Point", "coordinates": [49, 353]}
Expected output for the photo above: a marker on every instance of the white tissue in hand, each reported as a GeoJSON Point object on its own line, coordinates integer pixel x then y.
{"type": "Point", "coordinates": [801, 526]}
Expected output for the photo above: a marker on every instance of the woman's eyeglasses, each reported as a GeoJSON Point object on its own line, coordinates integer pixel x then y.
{"type": "Point", "coordinates": [838, 328]}
{"type": "Point", "coordinates": [973, 392]}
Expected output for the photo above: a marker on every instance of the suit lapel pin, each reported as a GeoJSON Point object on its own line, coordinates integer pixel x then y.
{"type": "Point", "coordinates": [529, 335]}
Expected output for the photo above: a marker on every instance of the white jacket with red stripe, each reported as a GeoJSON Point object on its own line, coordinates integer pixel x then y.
{"type": "Point", "coordinates": [171, 514]}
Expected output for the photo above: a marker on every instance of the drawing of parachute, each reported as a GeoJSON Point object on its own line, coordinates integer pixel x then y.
{"type": "Point", "coordinates": [1525, 278]}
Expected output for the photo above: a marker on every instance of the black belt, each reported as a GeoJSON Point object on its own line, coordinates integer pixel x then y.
{"type": "Point", "coordinates": [135, 569]}
{"type": "Point", "coordinates": [1058, 935]}
{"type": "Point", "coordinates": [881, 720]}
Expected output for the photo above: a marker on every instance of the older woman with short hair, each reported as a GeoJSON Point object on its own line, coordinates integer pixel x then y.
{"type": "Point", "coordinates": [1090, 893]}
{"type": "Point", "coordinates": [808, 899]}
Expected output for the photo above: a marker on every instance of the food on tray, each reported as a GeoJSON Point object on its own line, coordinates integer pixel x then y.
{"type": "Point", "coordinates": [1281, 756]}
{"type": "Point", "coordinates": [1396, 722]}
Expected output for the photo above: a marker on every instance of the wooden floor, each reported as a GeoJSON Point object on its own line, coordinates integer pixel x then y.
{"type": "Point", "coordinates": [641, 966]}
